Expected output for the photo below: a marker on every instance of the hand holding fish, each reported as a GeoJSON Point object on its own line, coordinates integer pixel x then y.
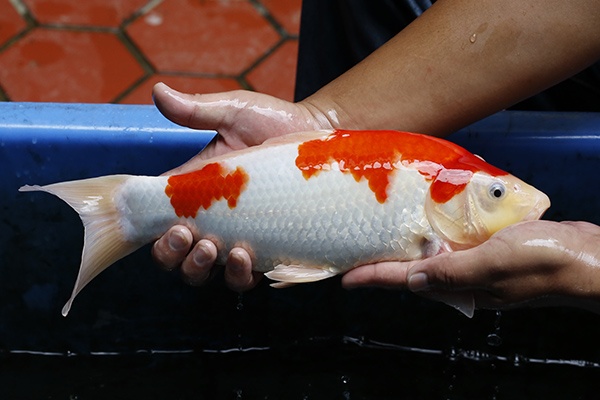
{"type": "Point", "coordinates": [537, 263]}
{"type": "Point", "coordinates": [242, 119]}
{"type": "Point", "coordinates": [412, 95]}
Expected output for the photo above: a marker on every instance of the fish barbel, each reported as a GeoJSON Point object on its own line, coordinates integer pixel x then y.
{"type": "Point", "coordinates": [308, 206]}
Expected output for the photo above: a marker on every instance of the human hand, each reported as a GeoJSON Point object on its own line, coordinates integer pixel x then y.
{"type": "Point", "coordinates": [532, 263]}
{"type": "Point", "coordinates": [242, 119]}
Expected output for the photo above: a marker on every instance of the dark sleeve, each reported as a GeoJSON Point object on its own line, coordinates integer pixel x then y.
{"type": "Point", "coordinates": [337, 34]}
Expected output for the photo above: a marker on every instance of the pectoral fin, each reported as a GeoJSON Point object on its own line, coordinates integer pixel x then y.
{"type": "Point", "coordinates": [462, 301]}
{"type": "Point", "coordinates": [465, 303]}
{"type": "Point", "coordinates": [288, 275]}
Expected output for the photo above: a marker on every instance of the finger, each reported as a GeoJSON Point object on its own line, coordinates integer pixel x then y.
{"type": "Point", "coordinates": [207, 111]}
{"type": "Point", "coordinates": [255, 117]}
{"type": "Point", "coordinates": [461, 270]}
{"type": "Point", "coordinates": [384, 274]}
{"type": "Point", "coordinates": [197, 266]}
{"type": "Point", "coordinates": [238, 271]}
{"type": "Point", "coordinates": [170, 250]}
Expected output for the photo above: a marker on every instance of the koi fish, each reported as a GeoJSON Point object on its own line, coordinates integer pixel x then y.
{"type": "Point", "coordinates": [308, 206]}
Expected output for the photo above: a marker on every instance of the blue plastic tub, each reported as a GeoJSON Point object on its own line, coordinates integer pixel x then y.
{"type": "Point", "coordinates": [134, 307]}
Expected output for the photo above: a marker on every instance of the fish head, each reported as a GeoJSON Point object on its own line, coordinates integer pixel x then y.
{"type": "Point", "coordinates": [480, 205]}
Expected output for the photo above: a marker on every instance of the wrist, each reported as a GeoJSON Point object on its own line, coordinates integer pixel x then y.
{"type": "Point", "coordinates": [324, 113]}
{"type": "Point", "coordinates": [582, 248]}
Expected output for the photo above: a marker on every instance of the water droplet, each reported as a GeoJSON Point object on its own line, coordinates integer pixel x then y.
{"type": "Point", "coordinates": [473, 38]}
{"type": "Point", "coordinates": [240, 339]}
{"type": "Point", "coordinates": [345, 380]}
{"type": "Point", "coordinates": [452, 354]}
{"type": "Point", "coordinates": [458, 337]}
{"type": "Point", "coordinates": [498, 316]}
{"type": "Point", "coordinates": [517, 360]}
{"type": "Point", "coordinates": [494, 340]}
{"type": "Point", "coordinates": [154, 19]}
{"type": "Point", "coordinates": [240, 303]}
{"type": "Point", "coordinates": [496, 391]}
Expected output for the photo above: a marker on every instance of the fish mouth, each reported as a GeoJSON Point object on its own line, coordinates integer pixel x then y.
{"type": "Point", "coordinates": [540, 207]}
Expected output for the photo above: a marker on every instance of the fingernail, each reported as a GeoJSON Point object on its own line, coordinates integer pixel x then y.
{"type": "Point", "coordinates": [418, 282]}
{"type": "Point", "coordinates": [235, 262]}
{"type": "Point", "coordinates": [177, 241]}
{"type": "Point", "coordinates": [201, 255]}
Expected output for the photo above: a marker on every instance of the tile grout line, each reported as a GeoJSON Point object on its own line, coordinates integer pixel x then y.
{"type": "Point", "coordinates": [284, 36]}
{"type": "Point", "coordinates": [151, 70]}
{"type": "Point", "coordinates": [139, 56]}
{"type": "Point", "coordinates": [260, 60]}
{"type": "Point", "coordinates": [134, 50]}
{"type": "Point", "coordinates": [20, 7]}
{"type": "Point", "coordinates": [30, 24]}
{"type": "Point", "coordinates": [143, 10]}
{"type": "Point", "coordinates": [266, 14]}
{"type": "Point", "coordinates": [3, 95]}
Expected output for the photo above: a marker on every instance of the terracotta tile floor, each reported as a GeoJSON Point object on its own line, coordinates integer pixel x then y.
{"type": "Point", "coordinates": [113, 51]}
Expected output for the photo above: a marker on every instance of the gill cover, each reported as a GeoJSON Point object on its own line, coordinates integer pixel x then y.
{"type": "Point", "coordinates": [480, 206]}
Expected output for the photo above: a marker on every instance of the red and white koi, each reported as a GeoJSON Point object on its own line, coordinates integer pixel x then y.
{"type": "Point", "coordinates": [308, 206]}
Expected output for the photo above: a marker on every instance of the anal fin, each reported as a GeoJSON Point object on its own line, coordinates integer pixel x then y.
{"type": "Point", "coordinates": [288, 275]}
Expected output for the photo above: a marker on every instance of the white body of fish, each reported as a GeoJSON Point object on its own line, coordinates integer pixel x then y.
{"type": "Point", "coordinates": [300, 228]}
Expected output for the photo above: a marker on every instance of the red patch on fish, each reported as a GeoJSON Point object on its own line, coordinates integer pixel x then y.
{"type": "Point", "coordinates": [189, 192]}
{"type": "Point", "coordinates": [372, 155]}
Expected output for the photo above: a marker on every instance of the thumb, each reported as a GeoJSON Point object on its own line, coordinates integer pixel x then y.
{"type": "Point", "coordinates": [461, 270]}
{"type": "Point", "coordinates": [196, 111]}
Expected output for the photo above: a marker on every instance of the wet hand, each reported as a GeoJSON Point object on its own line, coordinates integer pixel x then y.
{"type": "Point", "coordinates": [531, 263]}
{"type": "Point", "coordinates": [242, 119]}
{"type": "Point", "coordinates": [178, 249]}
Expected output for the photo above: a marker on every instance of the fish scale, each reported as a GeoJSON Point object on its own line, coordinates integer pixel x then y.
{"type": "Point", "coordinates": [330, 216]}
{"type": "Point", "coordinates": [308, 206]}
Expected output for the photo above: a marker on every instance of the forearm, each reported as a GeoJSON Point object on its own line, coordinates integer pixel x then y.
{"type": "Point", "coordinates": [462, 60]}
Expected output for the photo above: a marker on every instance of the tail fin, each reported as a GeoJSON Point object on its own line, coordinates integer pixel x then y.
{"type": "Point", "coordinates": [104, 242]}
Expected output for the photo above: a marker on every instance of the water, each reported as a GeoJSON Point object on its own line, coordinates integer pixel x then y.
{"type": "Point", "coordinates": [494, 339]}
{"type": "Point", "coordinates": [356, 345]}
{"type": "Point", "coordinates": [353, 368]}
{"type": "Point", "coordinates": [452, 354]}
{"type": "Point", "coordinates": [240, 303]}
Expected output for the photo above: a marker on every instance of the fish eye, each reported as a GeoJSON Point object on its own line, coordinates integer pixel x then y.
{"type": "Point", "coordinates": [497, 190]}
